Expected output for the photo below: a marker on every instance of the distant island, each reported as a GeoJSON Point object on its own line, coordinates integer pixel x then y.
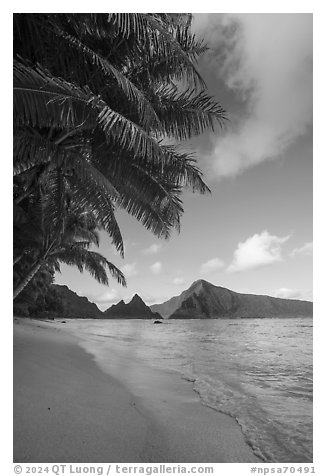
{"type": "Point", "coordinates": [203, 300]}
{"type": "Point", "coordinates": [135, 309]}
{"type": "Point", "coordinates": [73, 306]}
{"type": "Point", "coordinates": [70, 305]}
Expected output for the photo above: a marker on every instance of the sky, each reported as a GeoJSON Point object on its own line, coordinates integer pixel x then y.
{"type": "Point", "coordinates": [253, 233]}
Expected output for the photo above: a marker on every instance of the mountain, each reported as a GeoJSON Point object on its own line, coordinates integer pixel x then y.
{"type": "Point", "coordinates": [74, 306]}
{"type": "Point", "coordinates": [204, 300]}
{"type": "Point", "coordinates": [135, 309]}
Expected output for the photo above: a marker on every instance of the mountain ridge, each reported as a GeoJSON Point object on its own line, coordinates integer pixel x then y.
{"type": "Point", "coordinates": [204, 300]}
{"type": "Point", "coordinates": [75, 306]}
{"type": "Point", "coordinates": [135, 309]}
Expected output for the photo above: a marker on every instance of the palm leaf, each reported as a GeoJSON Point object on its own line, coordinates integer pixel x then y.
{"type": "Point", "coordinates": [188, 41]}
{"type": "Point", "coordinates": [132, 93]}
{"type": "Point", "coordinates": [184, 114]}
{"type": "Point", "coordinates": [55, 206]}
{"type": "Point", "coordinates": [149, 35]}
{"type": "Point", "coordinates": [145, 193]}
{"type": "Point", "coordinates": [95, 200]}
{"type": "Point", "coordinates": [180, 167]}
{"type": "Point", "coordinates": [128, 135]}
{"type": "Point", "coordinates": [93, 262]}
{"type": "Point", "coordinates": [127, 24]}
{"type": "Point", "coordinates": [83, 169]}
{"type": "Point", "coordinates": [31, 150]}
{"type": "Point", "coordinates": [44, 101]}
{"type": "Point", "coordinates": [80, 226]}
{"type": "Point", "coordinates": [41, 101]}
{"type": "Point", "coordinates": [171, 48]}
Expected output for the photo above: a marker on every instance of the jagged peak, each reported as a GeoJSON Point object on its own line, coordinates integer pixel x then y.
{"type": "Point", "coordinates": [206, 285]}
{"type": "Point", "coordinates": [199, 282]}
{"type": "Point", "coordinates": [137, 298]}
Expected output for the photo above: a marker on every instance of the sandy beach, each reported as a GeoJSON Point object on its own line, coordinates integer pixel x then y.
{"type": "Point", "coordinates": [67, 408]}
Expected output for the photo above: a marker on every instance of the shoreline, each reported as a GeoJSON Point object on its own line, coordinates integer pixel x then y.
{"type": "Point", "coordinates": [71, 407]}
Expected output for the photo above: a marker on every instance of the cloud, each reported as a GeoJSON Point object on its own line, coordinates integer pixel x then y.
{"type": "Point", "coordinates": [257, 250]}
{"type": "Point", "coordinates": [106, 297]}
{"type": "Point", "coordinates": [177, 281]}
{"type": "Point", "coordinates": [152, 250]}
{"type": "Point", "coordinates": [286, 293]}
{"type": "Point", "coordinates": [266, 60]}
{"type": "Point", "coordinates": [129, 270]}
{"type": "Point", "coordinates": [156, 268]}
{"type": "Point", "coordinates": [151, 299]}
{"type": "Point", "coordinates": [305, 250]}
{"type": "Point", "coordinates": [211, 265]}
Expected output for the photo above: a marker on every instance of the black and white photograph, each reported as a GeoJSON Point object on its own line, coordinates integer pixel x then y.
{"type": "Point", "coordinates": [162, 238]}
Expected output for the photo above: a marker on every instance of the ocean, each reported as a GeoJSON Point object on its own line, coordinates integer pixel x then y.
{"type": "Point", "coordinates": [259, 371]}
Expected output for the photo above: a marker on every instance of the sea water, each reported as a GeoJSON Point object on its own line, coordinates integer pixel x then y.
{"type": "Point", "coordinates": [259, 371]}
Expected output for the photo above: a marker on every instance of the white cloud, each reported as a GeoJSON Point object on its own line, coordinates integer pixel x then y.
{"type": "Point", "coordinates": [156, 268]}
{"type": "Point", "coordinates": [151, 299]}
{"type": "Point", "coordinates": [211, 265]}
{"type": "Point", "coordinates": [152, 250]}
{"type": "Point", "coordinates": [266, 59]}
{"type": "Point", "coordinates": [106, 297]}
{"type": "Point", "coordinates": [305, 250]}
{"type": "Point", "coordinates": [286, 293]}
{"type": "Point", "coordinates": [177, 281]}
{"type": "Point", "coordinates": [257, 250]}
{"type": "Point", "coordinates": [129, 270]}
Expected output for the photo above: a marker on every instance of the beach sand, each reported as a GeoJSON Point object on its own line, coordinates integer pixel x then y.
{"type": "Point", "coordinates": [67, 408]}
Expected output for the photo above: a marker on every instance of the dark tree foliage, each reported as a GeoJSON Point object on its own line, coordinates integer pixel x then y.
{"type": "Point", "coordinates": [100, 102]}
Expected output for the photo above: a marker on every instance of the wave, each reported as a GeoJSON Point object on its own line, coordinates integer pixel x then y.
{"type": "Point", "coordinates": [269, 439]}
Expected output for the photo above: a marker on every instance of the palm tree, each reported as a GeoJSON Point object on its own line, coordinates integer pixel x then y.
{"type": "Point", "coordinates": [44, 237]}
{"type": "Point", "coordinates": [95, 97]}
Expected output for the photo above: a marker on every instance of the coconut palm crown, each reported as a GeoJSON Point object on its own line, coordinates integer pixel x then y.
{"type": "Point", "coordinates": [101, 102]}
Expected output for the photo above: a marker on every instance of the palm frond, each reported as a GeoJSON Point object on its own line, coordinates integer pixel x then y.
{"type": "Point", "coordinates": [127, 134]}
{"type": "Point", "coordinates": [184, 114]}
{"type": "Point", "coordinates": [44, 101]}
{"type": "Point", "coordinates": [180, 167]}
{"type": "Point", "coordinates": [31, 150]}
{"type": "Point", "coordinates": [41, 101]}
{"type": "Point", "coordinates": [91, 261]}
{"type": "Point", "coordinates": [55, 209]}
{"type": "Point", "coordinates": [150, 35]}
{"type": "Point", "coordinates": [92, 198]}
{"type": "Point", "coordinates": [80, 226]}
{"type": "Point", "coordinates": [133, 94]}
{"type": "Point", "coordinates": [146, 193]}
{"type": "Point", "coordinates": [127, 24]}
{"type": "Point", "coordinates": [171, 47]}
{"type": "Point", "coordinates": [84, 171]}
{"type": "Point", "coordinates": [188, 41]}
